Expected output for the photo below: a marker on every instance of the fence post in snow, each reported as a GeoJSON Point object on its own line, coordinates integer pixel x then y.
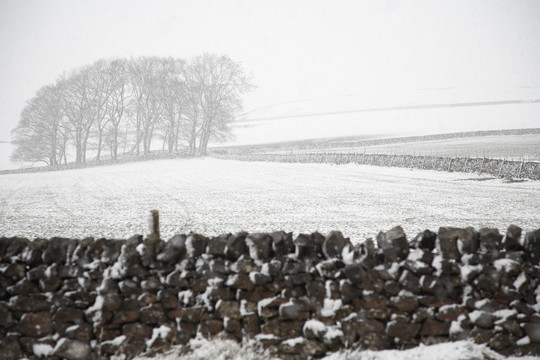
{"type": "Point", "coordinates": [153, 224]}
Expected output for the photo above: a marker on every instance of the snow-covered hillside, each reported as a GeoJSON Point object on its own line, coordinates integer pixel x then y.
{"type": "Point", "coordinates": [388, 114]}
{"type": "Point", "coordinates": [217, 196]}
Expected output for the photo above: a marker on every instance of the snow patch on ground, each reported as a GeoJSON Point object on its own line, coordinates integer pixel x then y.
{"type": "Point", "coordinates": [202, 349]}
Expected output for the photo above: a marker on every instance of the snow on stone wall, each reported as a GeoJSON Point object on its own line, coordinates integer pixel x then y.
{"type": "Point", "coordinates": [495, 167]}
{"type": "Point", "coordinates": [302, 297]}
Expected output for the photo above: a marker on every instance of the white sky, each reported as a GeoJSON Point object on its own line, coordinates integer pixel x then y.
{"type": "Point", "coordinates": [294, 49]}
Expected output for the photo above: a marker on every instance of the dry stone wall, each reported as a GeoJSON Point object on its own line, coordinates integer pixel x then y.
{"type": "Point", "coordinates": [494, 167]}
{"type": "Point", "coordinates": [300, 296]}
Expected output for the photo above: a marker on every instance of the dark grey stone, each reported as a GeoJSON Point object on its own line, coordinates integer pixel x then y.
{"type": "Point", "coordinates": [425, 240]}
{"type": "Point", "coordinates": [333, 245]}
{"type": "Point", "coordinates": [195, 245]}
{"type": "Point", "coordinates": [282, 243]}
{"type": "Point", "coordinates": [217, 245]}
{"type": "Point", "coordinates": [532, 246]}
{"type": "Point", "coordinates": [173, 250]}
{"type": "Point", "coordinates": [447, 242]}
{"type": "Point", "coordinates": [511, 240]}
{"type": "Point", "coordinates": [490, 239]}
{"type": "Point", "coordinates": [394, 244]}
{"type": "Point", "coordinates": [260, 246]}
{"type": "Point", "coordinates": [236, 246]}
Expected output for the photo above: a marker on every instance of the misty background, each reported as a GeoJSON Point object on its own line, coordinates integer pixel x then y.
{"type": "Point", "coordinates": [305, 57]}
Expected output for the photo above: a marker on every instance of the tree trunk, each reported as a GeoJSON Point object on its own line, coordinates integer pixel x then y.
{"type": "Point", "coordinates": [177, 138]}
{"type": "Point", "coordinates": [100, 132]}
{"type": "Point", "coordinates": [84, 146]}
{"type": "Point", "coordinates": [114, 150]}
{"type": "Point", "coordinates": [78, 147]}
{"type": "Point", "coordinates": [52, 155]}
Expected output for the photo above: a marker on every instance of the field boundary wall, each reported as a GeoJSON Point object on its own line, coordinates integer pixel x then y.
{"type": "Point", "coordinates": [494, 167]}
{"type": "Point", "coordinates": [300, 297]}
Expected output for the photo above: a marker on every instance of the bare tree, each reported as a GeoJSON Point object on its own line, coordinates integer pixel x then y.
{"type": "Point", "coordinates": [220, 81]}
{"type": "Point", "coordinates": [145, 106]}
{"type": "Point", "coordinates": [76, 107]}
{"type": "Point", "coordinates": [64, 135]}
{"type": "Point", "coordinates": [100, 92]}
{"type": "Point", "coordinates": [171, 95]}
{"type": "Point", "coordinates": [192, 107]}
{"type": "Point", "coordinates": [37, 135]}
{"type": "Point", "coordinates": [118, 75]}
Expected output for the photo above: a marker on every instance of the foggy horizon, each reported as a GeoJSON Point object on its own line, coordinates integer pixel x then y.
{"type": "Point", "coordinates": [327, 68]}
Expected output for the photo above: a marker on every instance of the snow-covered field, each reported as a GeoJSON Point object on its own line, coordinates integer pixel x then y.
{"type": "Point", "coordinates": [216, 196]}
{"type": "Point", "coordinates": [508, 147]}
{"type": "Point", "coordinates": [227, 350]}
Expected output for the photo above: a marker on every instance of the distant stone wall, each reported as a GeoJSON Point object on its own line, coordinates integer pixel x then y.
{"type": "Point", "coordinates": [301, 297]}
{"type": "Point", "coordinates": [495, 167]}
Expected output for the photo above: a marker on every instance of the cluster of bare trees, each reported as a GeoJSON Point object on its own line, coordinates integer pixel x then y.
{"type": "Point", "coordinates": [131, 106]}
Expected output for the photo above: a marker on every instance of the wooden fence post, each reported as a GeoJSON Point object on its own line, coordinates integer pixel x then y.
{"type": "Point", "coordinates": [153, 224]}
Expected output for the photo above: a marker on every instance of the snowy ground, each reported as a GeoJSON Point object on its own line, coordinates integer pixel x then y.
{"type": "Point", "coordinates": [228, 350]}
{"type": "Point", "coordinates": [508, 147]}
{"type": "Point", "coordinates": [217, 196]}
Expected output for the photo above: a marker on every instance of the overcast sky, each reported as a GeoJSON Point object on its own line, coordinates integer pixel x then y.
{"type": "Point", "coordinates": [294, 49]}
